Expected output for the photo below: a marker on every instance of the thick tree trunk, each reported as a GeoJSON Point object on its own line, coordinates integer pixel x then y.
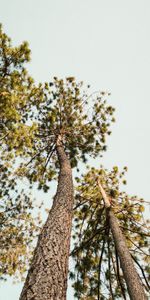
{"type": "Point", "coordinates": [134, 284]}
{"type": "Point", "coordinates": [47, 277]}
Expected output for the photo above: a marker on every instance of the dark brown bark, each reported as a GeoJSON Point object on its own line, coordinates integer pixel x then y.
{"type": "Point", "coordinates": [47, 277]}
{"type": "Point", "coordinates": [132, 279]}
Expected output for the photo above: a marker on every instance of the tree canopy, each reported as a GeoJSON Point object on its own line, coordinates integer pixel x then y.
{"type": "Point", "coordinates": [65, 109]}
{"type": "Point", "coordinates": [16, 221]}
{"type": "Point", "coordinates": [32, 119]}
{"type": "Point", "coordinates": [17, 226]}
{"type": "Point", "coordinates": [97, 266]}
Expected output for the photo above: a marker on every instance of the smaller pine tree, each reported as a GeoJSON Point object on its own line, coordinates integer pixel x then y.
{"type": "Point", "coordinates": [98, 274]}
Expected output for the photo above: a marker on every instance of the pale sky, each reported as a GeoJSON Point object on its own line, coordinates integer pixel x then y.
{"type": "Point", "coordinates": [104, 43]}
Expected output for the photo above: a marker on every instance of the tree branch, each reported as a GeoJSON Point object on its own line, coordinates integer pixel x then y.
{"type": "Point", "coordinates": [148, 286]}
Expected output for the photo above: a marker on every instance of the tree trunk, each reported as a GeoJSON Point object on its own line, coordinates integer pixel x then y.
{"type": "Point", "coordinates": [47, 277]}
{"type": "Point", "coordinates": [134, 284]}
{"type": "Point", "coordinates": [132, 278]}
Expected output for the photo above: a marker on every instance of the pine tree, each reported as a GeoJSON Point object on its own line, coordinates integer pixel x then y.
{"type": "Point", "coordinates": [17, 226]}
{"type": "Point", "coordinates": [70, 125]}
{"type": "Point", "coordinates": [102, 269]}
{"type": "Point", "coordinates": [17, 92]}
{"type": "Point", "coordinates": [134, 285]}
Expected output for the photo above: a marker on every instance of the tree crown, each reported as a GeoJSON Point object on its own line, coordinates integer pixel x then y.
{"type": "Point", "coordinates": [96, 260]}
{"type": "Point", "coordinates": [65, 109]}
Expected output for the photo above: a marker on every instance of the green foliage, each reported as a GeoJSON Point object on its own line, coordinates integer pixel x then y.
{"type": "Point", "coordinates": [14, 81]}
{"type": "Point", "coordinates": [17, 91]}
{"type": "Point", "coordinates": [17, 226]}
{"type": "Point", "coordinates": [97, 267]}
{"type": "Point", "coordinates": [64, 109]}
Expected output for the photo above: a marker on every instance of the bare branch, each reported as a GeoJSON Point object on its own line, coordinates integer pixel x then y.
{"type": "Point", "coordinates": [136, 261]}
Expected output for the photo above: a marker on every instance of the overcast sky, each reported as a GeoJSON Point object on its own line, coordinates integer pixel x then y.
{"type": "Point", "coordinates": [105, 43]}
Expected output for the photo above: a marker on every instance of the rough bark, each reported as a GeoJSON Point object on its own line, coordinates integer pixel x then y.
{"type": "Point", "coordinates": [134, 284]}
{"type": "Point", "coordinates": [132, 279]}
{"type": "Point", "coordinates": [47, 277]}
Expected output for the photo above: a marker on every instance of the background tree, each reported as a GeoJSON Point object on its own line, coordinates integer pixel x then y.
{"type": "Point", "coordinates": [17, 91]}
{"type": "Point", "coordinates": [98, 274]}
{"type": "Point", "coordinates": [16, 222]}
{"type": "Point", "coordinates": [70, 124]}
{"type": "Point", "coordinates": [17, 226]}
{"type": "Point", "coordinates": [132, 279]}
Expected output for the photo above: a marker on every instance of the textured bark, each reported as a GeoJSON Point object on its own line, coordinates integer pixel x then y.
{"type": "Point", "coordinates": [132, 279]}
{"type": "Point", "coordinates": [47, 277]}
{"type": "Point", "coordinates": [134, 284]}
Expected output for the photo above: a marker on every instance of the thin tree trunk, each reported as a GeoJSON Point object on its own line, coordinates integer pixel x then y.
{"type": "Point", "coordinates": [134, 284]}
{"type": "Point", "coordinates": [47, 277]}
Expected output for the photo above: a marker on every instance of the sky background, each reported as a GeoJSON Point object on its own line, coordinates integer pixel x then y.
{"type": "Point", "coordinates": [107, 45]}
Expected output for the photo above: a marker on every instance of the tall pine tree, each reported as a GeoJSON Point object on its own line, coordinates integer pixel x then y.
{"type": "Point", "coordinates": [70, 125]}
{"type": "Point", "coordinates": [107, 234]}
